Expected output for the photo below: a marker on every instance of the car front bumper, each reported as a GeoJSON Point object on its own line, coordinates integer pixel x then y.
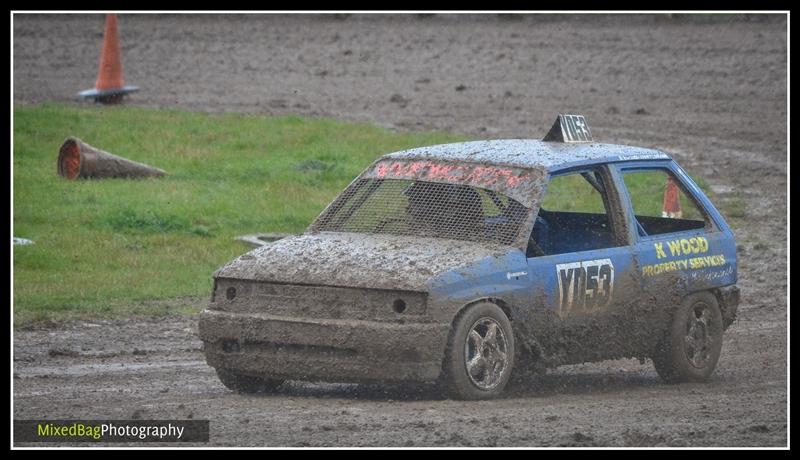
{"type": "Point", "coordinates": [332, 350]}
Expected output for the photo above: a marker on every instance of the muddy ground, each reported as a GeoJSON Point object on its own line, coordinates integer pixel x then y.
{"type": "Point", "coordinates": [711, 92]}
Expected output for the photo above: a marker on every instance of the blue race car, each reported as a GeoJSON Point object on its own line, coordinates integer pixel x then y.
{"type": "Point", "coordinates": [462, 263]}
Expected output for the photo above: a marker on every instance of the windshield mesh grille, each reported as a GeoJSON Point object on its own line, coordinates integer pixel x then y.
{"type": "Point", "coordinates": [426, 209]}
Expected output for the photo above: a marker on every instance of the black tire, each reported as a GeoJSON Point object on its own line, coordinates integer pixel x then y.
{"type": "Point", "coordinates": [492, 369]}
{"type": "Point", "coordinates": [247, 383]}
{"type": "Point", "coordinates": [691, 346]}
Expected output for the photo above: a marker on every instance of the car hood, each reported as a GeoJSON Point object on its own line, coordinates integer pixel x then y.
{"type": "Point", "coordinates": [357, 260]}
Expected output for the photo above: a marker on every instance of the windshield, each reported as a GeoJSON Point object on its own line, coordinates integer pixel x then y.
{"type": "Point", "coordinates": [425, 209]}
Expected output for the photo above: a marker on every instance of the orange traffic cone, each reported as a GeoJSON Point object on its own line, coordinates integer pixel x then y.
{"type": "Point", "coordinates": [672, 202]}
{"type": "Point", "coordinates": [79, 160]}
{"type": "Point", "coordinates": [109, 88]}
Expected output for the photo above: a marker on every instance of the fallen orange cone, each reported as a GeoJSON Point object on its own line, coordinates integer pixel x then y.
{"type": "Point", "coordinates": [110, 86]}
{"type": "Point", "coordinates": [79, 160]}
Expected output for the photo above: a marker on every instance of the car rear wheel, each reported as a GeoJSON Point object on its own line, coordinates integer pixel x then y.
{"type": "Point", "coordinates": [691, 347]}
{"type": "Point", "coordinates": [247, 383]}
{"type": "Point", "coordinates": [480, 353]}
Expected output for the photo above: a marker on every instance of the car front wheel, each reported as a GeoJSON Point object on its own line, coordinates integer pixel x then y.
{"type": "Point", "coordinates": [480, 353]}
{"type": "Point", "coordinates": [691, 347]}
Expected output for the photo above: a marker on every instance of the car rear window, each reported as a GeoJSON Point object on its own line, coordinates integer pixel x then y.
{"type": "Point", "coordinates": [425, 209]}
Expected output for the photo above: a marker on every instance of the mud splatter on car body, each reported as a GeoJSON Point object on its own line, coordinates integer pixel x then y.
{"type": "Point", "coordinates": [372, 290]}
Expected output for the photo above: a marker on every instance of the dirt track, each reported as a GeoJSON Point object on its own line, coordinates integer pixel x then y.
{"type": "Point", "coordinates": [712, 93]}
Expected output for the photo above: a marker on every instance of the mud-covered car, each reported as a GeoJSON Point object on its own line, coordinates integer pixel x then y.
{"type": "Point", "coordinates": [462, 263]}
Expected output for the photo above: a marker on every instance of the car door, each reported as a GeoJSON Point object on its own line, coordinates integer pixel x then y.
{"type": "Point", "coordinates": [582, 264]}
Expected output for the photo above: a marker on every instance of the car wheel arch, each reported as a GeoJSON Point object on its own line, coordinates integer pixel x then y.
{"type": "Point", "coordinates": [499, 302]}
